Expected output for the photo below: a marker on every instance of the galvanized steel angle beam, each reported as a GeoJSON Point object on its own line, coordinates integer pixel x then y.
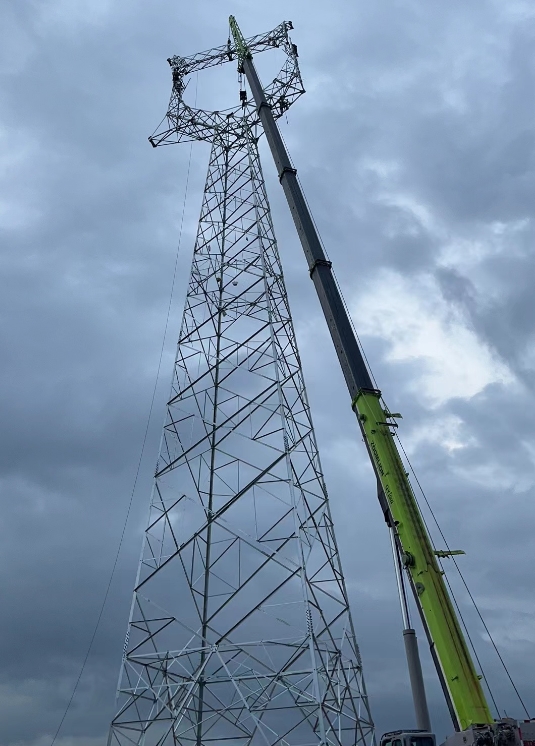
{"type": "Point", "coordinates": [240, 629]}
{"type": "Point", "coordinates": [186, 123]}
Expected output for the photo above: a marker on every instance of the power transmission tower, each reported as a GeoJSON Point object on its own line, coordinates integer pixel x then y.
{"type": "Point", "coordinates": [240, 631]}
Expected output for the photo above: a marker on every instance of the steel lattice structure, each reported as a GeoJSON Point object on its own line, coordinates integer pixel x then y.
{"type": "Point", "coordinates": [240, 631]}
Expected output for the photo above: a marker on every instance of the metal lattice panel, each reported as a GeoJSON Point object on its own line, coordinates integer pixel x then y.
{"type": "Point", "coordinates": [184, 123]}
{"type": "Point", "coordinates": [240, 630]}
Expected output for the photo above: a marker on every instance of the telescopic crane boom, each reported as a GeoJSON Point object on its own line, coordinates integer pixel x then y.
{"type": "Point", "coordinates": [460, 681]}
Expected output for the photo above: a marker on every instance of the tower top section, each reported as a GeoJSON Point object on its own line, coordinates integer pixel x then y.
{"type": "Point", "coordinates": [184, 123]}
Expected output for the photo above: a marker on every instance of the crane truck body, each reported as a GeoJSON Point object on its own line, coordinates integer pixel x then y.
{"type": "Point", "coordinates": [472, 719]}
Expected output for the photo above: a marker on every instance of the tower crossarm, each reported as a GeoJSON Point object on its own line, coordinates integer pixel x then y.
{"type": "Point", "coordinates": [226, 53]}
{"type": "Point", "coordinates": [184, 123]}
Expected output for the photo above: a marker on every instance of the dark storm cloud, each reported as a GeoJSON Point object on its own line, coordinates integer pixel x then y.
{"type": "Point", "coordinates": [415, 136]}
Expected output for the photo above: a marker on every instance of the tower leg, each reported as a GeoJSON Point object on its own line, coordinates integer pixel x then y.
{"type": "Point", "coordinates": [240, 630]}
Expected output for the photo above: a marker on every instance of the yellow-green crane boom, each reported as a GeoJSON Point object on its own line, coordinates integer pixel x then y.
{"type": "Point", "coordinates": [457, 668]}
{"type": "Point", "coordinates": [460, 681]}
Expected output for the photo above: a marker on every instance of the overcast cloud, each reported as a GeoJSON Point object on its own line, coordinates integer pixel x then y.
{"type": "Point", "coordinates": [415, 145]}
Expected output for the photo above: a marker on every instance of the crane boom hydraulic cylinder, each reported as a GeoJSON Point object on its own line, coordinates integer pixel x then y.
{"type": "Point", "coordinates": [455, 667]}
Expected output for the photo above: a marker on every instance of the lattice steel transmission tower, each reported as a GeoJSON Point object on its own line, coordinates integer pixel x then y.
{"type": "Point", "coordinates": [240, 631]}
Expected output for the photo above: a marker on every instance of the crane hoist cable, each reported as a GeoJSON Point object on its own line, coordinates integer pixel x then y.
{"type": "Point", "coordinates": [472, 599]}
{"type": "Point", "coordinates": [447, 580]}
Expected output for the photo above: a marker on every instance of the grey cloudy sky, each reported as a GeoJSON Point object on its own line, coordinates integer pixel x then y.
{"type": "Point", "coordinates": [415, 145]}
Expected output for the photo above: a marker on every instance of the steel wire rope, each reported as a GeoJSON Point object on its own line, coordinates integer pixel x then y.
{"type": "Point", "coordinates": [423, 517]}
{"type": "Point", "coordinates": [472, 599]}
{"type": "Point", "coordinates": [447, 580]}
{"type": "Point", "coordinates": [143, 444]}
{"type": "Point", "coordinates": [470, 595]}
{"type": "Point", "coordinates": [465, 627]}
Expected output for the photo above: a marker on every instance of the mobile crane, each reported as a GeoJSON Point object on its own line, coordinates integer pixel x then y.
{"type": "Point", "coordinates": [413, 550]}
